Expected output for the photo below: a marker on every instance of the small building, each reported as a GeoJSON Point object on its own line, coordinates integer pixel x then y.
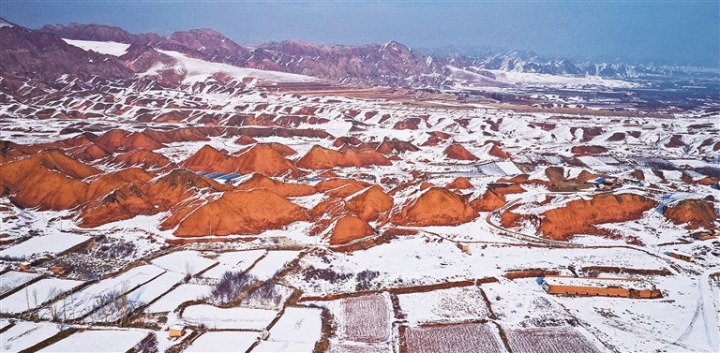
{"type": "Point", "coordinates": [177, 330]}
{"type": "Point", "coordinates": [25, 266]}
{"type": "Point", "coordinates": [681, 255]}
{"type": "Point", "coordinates": [464, 248]}
{"type": "Point", "coordinates": [600, 286]}
{"type": "Point", "coordinates": [57, 270]}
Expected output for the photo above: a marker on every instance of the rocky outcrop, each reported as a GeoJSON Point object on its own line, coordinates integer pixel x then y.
{"type": "Point", "coordinates": [692, 212]}
{"type": "Point", "coordinates": [350, 228]}
{"type": "Point", "coordinates": [457, 151]}
{"type": "Point", "coordinates": [322, 158]}
{"type": "Point", "coordinates": [436, 207]}
{"type": "Point", "coordinates": [258, 181]}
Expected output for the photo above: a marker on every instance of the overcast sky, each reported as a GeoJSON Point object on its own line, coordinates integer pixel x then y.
{"type": "Point", "coordinates": [667, 30]}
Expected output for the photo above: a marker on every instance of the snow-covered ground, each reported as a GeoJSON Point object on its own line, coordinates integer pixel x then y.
{"type": "Point", "coordinates": [99, 341]}
{"type": "Point", "coordinates": [232, 318]}
{"type": "Point", "coordinates": [24, 335]}
{"type": "Point", "coordinates": [179, 295]}
{"type": "Point", "coordinates": [223, 341]}
{"type": "Point", "coordinates": [36, 294]}
{"type": "Point", "coordinates": [48, 244]}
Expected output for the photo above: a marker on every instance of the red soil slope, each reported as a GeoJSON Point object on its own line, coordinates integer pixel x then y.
{"type": "Point", "coordinates": [106, 183]}
{"type": "Point", "coordinates": [144, 159]}
{"type": "Point", "coordinates": [350, 228]}
{"type": "Point", "coordinates": [457, 151]}
{"type": "Point", "coordinates": [580, 216]}
{"type": "Point", "coordinates": [696, 213]}
{"type": "Point", "coordinates": [371, 205]}
{"type": "Point", "coordinates": [489, 201]}
{"type": "Point", "coordinates": [241, 212]}
{"type": "Point", "coordinates": [459, 183]}
{"type": "Point", "coordinates": [283, 189]}
{"type": "Point", "coordinates": [322, 158]}
{"type": "Point", "coordinates": [340, 187]}
{"type": "Point", "coordinates": [437, 206]}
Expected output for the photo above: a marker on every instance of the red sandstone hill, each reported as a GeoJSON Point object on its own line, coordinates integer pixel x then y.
{"type": "Point", "coordinates": [459, 183]}
{"type": "Point", "coordinates": [393, 146]}
{"type": "Point", "coordinates": [342, 188]}
{"type": "Point", "coordinates": [123, 203]}
{"type": "Point", "coordinates": [435, 207]}
{"type": "Point", "coordinates": [121, 141]}
{"type": "Point", "coordinates": [178, 185]}
{"type": "Point", "coordinates": [241, 212]}
{"type": "Point", "coordinates": [283, 189]}
{"type": "Point", "coordinates": [457, 151]}
{"type": "Point", "coordinates": [104, 184]}
{"type": "Point", "coordinates": [696, 213]}
{"type": "Point", "coordinates": [322, 158]}
{"type": "Point", "coordinates": [48, 180]}
{"type": "Point", "coordinates": [245, 140]}
{"type": "Point", "coordinates": [177, 135]}
{"type": "Point", "coordinates": [497, 152]}
{"type": "Point", "coordinates": [349, 228]}
{"type": "Point", "coordinates": [371, 205]}
{"type": "Point", "coordinates": [489, 201]}
{"type": "Point", "coordinates": [588, 150]}
{"type": "Point", "coordinates": [144, 159]}
{"type": "Point", "coordinates": [581, 216]}
{"type": "Point", "coordinates": [260, 158]}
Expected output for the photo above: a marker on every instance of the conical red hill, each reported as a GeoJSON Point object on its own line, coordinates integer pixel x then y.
{"type": "Point", "coordinates": [121, 204]}
{"type": "Point", "coordinates": [245, 140]}
{"type": "Point", "coordinates": [47, 180]}
{"type": "Point", "coordinates": [264, 159]}
{"type": "Point", "coordinates": [10, 151]}
{"type": "Point", "coordinates": [143, 158]}
{"type": "Point", "coordinates": [120, 141]}
{"type": "Point", "coordinates": [322, 158]}
{"type": "Point", "coordinates": [209, 159]}
{"type": "Point", "coordinates": [581, 216]}
{"type": "Point", "coordinates": [371, 204]}
{"type": "Point", "coordinates": [106, 183]}
{"type": "Point", "coordinates": [350, 228]}
{"type": "Point", "coordinates": [179, 185]}
{"type": "Point", "coordinates": [283, 150]}
{"type": "Point", "coordinates": [459, 183]}
{"type": "Point", "coordinates": [457, 151]}
{"type": "Point", "coordinates": [283, 189]}
{"type": "Point", "coordinates": [176, 135]}
{"type": "Point", "coordinates": [436, 207]}
{"type": "Point", "coordinates": [490, 201]}
{"type": "Point", "coordinates": [89, 153]}
{"type": "Point", "coordinates": [697, 213]}
{"type": "Point", "coordinates": [497, 152]}
{"type": "Point", "coordinates": [340, 187]}
{"type": "Point", "coordinates": [393, 146]}
{"type": "Point", "coordinates": [241, 212]}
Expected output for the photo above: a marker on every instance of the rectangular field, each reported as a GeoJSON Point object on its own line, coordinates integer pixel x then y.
{"type": "Point", "coordinates": [272, 263]}
{"type": "Point", "coordinates": [25, 335]}
{"type": "Point", "coordinates": [444, 305]}
{"type": "Point", "coordinates": [99, 341]}
{"type": "Point", "coordinates": [183, 293]}
{"type": "Point", "coordinates": [35, 294]}
{"type": "Point", "coordinates": [13, 279]}
{"type": "Point", "coordinates": [365, 319]}
{"type": "Point", "coordinates": [456, 338]}
{"type": "Point", "coordinates": [185, 262]}
{"type": "Point", "coordinates": [235, 261]}
{"type": "Point", "coordinates": [229, 319]}
{"type": "Point", "coordinates": [223, 341]}
{"type": "Point", "coordinates": [51, 244]}
{"type": "Point", "coordinates": [549, 340]}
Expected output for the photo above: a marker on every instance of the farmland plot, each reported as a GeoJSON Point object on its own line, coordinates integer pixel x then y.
{"type": "Point", "coordinates": [524, 303]}
{"type": "Point", "coordinates": [348, 347]}
{"type": "Point", "coordinates": [13, 279]}
{"type": "Point", "coordinates": [99, 341]}
{"type": "Point", "coordinates": [36, 294]}
{"type": "Point", "coordinates": [457, 338]}
{"type": "Point", "coordinates": [365, 319]}
{"type": "Point", "coordinates": [185, 262]}
{"type": "Point", "coordinates": [4, 323]}
{"type": "Point", "coordinates": [155, 288]}
{"type": "Point", "coordinates": [79, 304]}
{"type": "Point", "coordinates": [272, 263]}
{"type": "Point", "coordinates": [549, 340]}
{"type": "Point", "coordinates": [444, 305]}
{"type": "Point", "coordinates": [47, 244]}
{"type": "Point", "coordinates": [235, 261]}
{"type": "Point", "coordinates": [223, 341]}
{"type": "Point", "coordinates": [230, 318]}
{"type": "Point", "coordinates": [289, 347]}
{"type": "Point", "coordinates": [299, 325]}
{"type": "Point", "coordinates": [179, 295]}
{"type": "Point", "coordinates": [25, 335]}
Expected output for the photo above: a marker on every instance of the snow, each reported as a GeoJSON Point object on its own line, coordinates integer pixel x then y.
{"type": "Point", "coordinates": [81, 303]}
{"type": "Point", "coordinates": [198, 70]}
{"type": "Point", "coordinates": [181, 294]}
{"type": "Point", "coordinates": [235, 261]}
{"type": "Point", "coordinates": [536, 79]}
{"type": "Point", "coordinates": [25, 335]}
{"type": "Point", "coordinates": [51, 244]}
{"type": "Point", "coordinates": [223, 341]}
{"type": "Point", "coordinates": [109, 48]}
{"type": "Point", "coordinates": [276, 347]}
{"type": "Point", "coordinates": [298, 325]}
{"type": "Point", "coordinates": [444, 305]}
{"type": "Point", "coordinates": [155, 288]}
{"type": "Point", "coordinates": [272, 263]}
{"type": "Point", "coordinates": [36, 294]}
{"type": "Point", "coordinates": [99, 341]}
{"type": "Point", "coordinates": [230, 318]}
{"type": "Point", "coordinates": [185, 262]}
{"type": "Point", "coordinates": [13, 279]}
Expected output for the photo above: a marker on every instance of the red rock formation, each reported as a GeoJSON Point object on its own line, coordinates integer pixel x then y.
{"type": "Point", "coordinates": [588, 150]}
{"type": "Point", "coordinates": [177, 135]}
{"type": "Point", "coordinates": [241, 212]}
{"type": "Point", "coordinates": [489, 201]}
{"type": "Point", "coordinates": [260, 158]}
{"type": "Point", "coordinates": [178, 185]}
{"type": "Point", "coordinates": [144, 159]}
{"type": "Point", "coordinates": [459, 183]}
{"type": "Point", "coordinates": [457, 151]}
{"type": "Point", "coordinates": [371, 205]}
{"type": "Point", "coordinates": [106, 183]}
{"type": "Point", "coordinates": [120, 141]}
{"type": "Point", "coordinates": [581, 216]}
{"type": "Point", "coordinates": [340, 187]}
{"type": "Point", "coordinates": [435, 207]}
{"type": "Point", "coordinates": [48, 180]}
{"type": "Point", "coordinates": [283, 150]}
{"type": "Point", "coordinates": [322, 158]}
{"type": "Point", "coordinates": [350, 228]}
{"type": "Point", "coordinates": [121, 204]}
{"type": "Point", "coordinates": [245, 140]}
{"type": "Point", "coordinates": [283, 189]}
{"type": "Point", "coordinates": [426, 185]}
{"type": "Point", "coordinates": [394, 146]}
{"type": "Point", "coordinates": [497, 152]}
{"type": "Point", "coordinates": [696, 213]}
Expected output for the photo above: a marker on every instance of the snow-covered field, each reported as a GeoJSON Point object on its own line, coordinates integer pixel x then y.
{"type": "Point", "coordinates": [13, 279]}
{"type": "Point", "coordinates": [229, 319]}
{"type": "Point", "coordinates": [36, 294]}
{"type": "Point", "coordinates": [234, 261]}
{"type": "Point", "coordinates": [298, 325]}
{"type": "Point", "coordinates": [272, 263]}
{"type": "Point", "coordinates": [99, 341]}
{"type": "Point", "coordinates": [48, 244]}
{"type": "Point", "coordinates": [179, 295]}
{"type": "Point", "coordinates": [185, 262]}
{"type": "Point", "coordinates": [444, 305]}
{"type": "Point", "coordinates": [24, 335]}
{"type": "Point", "coordinates": [223, 341]}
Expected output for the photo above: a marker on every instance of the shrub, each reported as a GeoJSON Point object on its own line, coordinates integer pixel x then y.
{"type": "Point", "coordinates": [231, 285]}
{"type": "Point", "coordinates": [364, 280]}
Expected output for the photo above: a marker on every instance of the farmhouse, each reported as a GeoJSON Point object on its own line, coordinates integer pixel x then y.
{"type": "Point", "coordinates": [25, 266]}
{"type": "Point", "coordinates": [681, 255]}
{"type": "Point", "coordinates": [176, 330]}
{"type": "Point", "coordinates": [600, 286]}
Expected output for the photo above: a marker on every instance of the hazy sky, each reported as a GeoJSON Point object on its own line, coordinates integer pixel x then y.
{"type": "Point", "coordinates": [669, 30]}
